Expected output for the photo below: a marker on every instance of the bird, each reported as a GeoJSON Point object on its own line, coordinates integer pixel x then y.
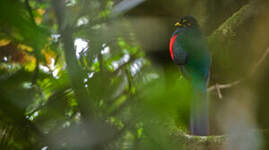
{"type": "Point", "coordinates": [189, 50]}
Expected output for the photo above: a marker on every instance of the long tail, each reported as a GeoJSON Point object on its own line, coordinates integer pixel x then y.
{"type": "Point", "coordinates": [199, 109]}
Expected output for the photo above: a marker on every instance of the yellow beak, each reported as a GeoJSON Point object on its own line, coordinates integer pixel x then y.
{"type": "Point", "coordinates": [178, 24]}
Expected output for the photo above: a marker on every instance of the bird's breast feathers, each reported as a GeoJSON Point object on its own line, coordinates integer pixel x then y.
{"type": "Point", "coordinates": [171, 45]}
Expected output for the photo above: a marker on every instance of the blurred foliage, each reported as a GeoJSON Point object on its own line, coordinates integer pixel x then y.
{"type": "Point", "coordinates": [111, 96]}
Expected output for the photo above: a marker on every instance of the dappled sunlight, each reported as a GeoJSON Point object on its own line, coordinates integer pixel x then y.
{"type": "Point", "coordinates": [81, 46]}
{"type": "Point", "coordinates": [117, 64]}
{"type": "Point", "coordinates": [82, 21]}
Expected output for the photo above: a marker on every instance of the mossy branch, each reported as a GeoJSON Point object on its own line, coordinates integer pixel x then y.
{"type": "Point", "coordinates": [218, 142]}
{"type": "Point", "coordinates": [227, 30]}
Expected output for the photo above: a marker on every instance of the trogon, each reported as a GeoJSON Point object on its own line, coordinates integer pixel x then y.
{"type": "Point", "coordinates": [189, 50]}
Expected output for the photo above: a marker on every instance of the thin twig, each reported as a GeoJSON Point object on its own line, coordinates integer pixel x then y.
{"type": "Point", "coordinates": [223, 86]}
{"type": "Point", "coordinates": [218, 91]}
{"type": "Point", "coordinates": [265, 54]}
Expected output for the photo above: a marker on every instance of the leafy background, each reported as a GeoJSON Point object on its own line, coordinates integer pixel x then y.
{"type": "Point", "coordinates": [80, 74]}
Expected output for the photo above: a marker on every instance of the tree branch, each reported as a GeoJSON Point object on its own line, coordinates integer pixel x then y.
{"type": "Point", "coordinates": [217, 142]}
